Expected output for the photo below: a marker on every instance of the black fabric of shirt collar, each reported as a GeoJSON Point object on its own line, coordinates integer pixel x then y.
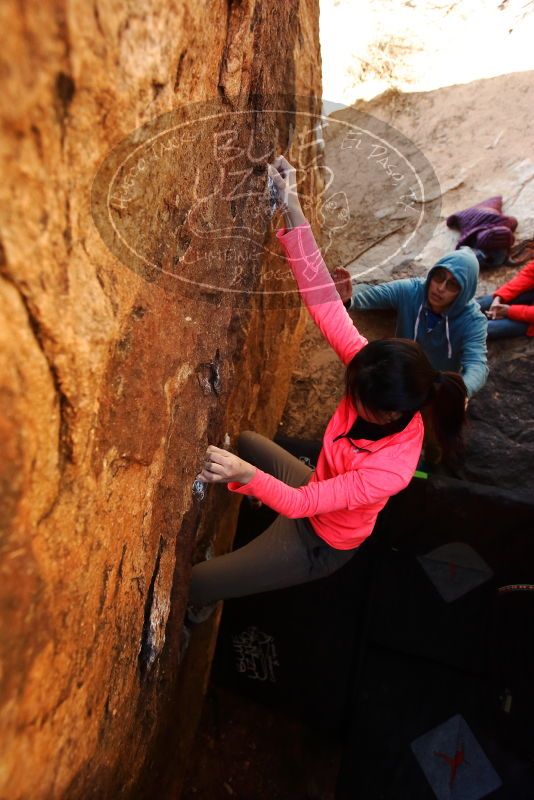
{"type": "Point", "coordinates": [372, 432]}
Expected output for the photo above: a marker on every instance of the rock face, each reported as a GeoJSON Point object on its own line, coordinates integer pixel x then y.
{"type": "Point", "coordinates": [500, 434]}
{"type": "Point", "coordinates": [469, 136]}
{"type": "Point", "coordinates": [114, 377]}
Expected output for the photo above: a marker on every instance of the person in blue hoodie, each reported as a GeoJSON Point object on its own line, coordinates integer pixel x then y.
{"type": "Point", "coordinates": [438, 311]}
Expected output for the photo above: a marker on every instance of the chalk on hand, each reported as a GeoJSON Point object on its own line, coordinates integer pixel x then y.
{"type": "Point", "coordinates": [274, 200]}
{"type": "Point", "coordinates": [199, 487]}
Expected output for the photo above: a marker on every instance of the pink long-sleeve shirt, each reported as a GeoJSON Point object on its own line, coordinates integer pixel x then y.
{"type": "Point", "coordinates": [353, 478]}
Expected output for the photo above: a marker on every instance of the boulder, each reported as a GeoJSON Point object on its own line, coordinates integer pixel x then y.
{"type": "Point", "coordinates": [500, 431]}
{"type": "Point", "coordinates": [125, 351]}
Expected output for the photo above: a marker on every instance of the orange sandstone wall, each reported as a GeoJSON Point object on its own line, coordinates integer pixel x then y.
{"type": "Point", "coordinates": [114, 375]}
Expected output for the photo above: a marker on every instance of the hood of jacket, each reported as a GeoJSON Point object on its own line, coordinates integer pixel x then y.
{"type": "Point", "coordinates": [463, 264]}
{"type": "Point", "coordinates": [461, 321]}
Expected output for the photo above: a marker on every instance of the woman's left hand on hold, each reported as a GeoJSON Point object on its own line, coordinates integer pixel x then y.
{"type": "Point", "coordinates": [498, 311]}
{"type": "Point", "coordinates": [220, 466]}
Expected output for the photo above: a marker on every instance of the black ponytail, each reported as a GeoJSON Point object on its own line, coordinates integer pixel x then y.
{"type": "Point", "coordinates": [396, 375]}
{"type": "Point", "coordinates": [444, 411]}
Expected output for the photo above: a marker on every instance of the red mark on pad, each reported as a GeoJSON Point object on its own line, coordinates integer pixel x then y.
{"type": "Point", "coordinates": [453, 762]}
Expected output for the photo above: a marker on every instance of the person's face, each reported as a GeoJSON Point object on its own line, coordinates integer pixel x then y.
{"type": "Point", "coordinates": [443, 290]}
{"type": "Point", "coordinates": [377, 417]}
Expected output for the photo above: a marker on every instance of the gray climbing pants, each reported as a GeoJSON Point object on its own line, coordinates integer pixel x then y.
{"type": "Point", "coordinates": [288, 553]}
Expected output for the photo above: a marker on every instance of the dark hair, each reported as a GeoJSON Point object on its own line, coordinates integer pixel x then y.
{"type": "Point", "coordinates": [396, 375]}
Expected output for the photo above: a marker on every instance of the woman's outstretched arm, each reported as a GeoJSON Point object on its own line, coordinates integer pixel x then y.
{"type": "Point", "coordinates": [315, 283]}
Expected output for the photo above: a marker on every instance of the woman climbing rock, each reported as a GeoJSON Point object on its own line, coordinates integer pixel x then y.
{"type": "Point", "coordinates": [370, 450]}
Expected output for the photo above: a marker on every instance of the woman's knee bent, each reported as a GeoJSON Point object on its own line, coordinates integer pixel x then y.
{"type": "Point", "coordinates": [247, 442]}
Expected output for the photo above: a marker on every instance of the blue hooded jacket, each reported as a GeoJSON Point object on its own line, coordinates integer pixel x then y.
{"type": "Point", "coordinates": [457, 342]}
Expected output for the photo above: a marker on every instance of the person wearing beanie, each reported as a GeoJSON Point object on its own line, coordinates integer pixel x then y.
{"type": "Point", "coordinates": [438, 311]}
